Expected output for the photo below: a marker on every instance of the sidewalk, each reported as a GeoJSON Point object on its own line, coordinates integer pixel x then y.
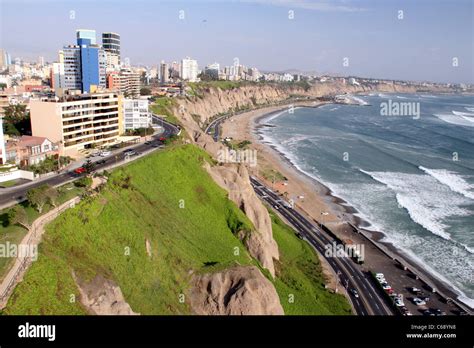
{"type": "Point", "coordinates": [31, 239]}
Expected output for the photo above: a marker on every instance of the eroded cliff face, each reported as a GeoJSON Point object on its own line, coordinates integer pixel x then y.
{"type": "Point", "coordinates": [103, 297]}
{"type": "Point", "coordinates": [259, 243]}
{"type": "Point", "coordinates": [235, 291]}
{"type": "Point", "coordinates": [214, 101]}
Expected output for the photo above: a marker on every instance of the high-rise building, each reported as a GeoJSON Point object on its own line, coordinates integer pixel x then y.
{"type": "Point", "coordinates": [112, 62]}
{"type": "Point", "coordinates": [80, 121]}
{"type": "Point", "coordinates": [87, 36]}
{"type": "Point", "coordinates": [189, 69]}
{"type": "Point", "coordinates": [41, 61]}
{"type": "Point", "coordinates": [3, 59]}
{"type": "Point", "coordinates": [57, 76]}
{"type": "Point", "coordinates": [8, 58]}
{"type": "Point", "coordinates": [136, 114]}
{"type": "Point", "coordinates": [84, 63]}
{"type": "Point", "coordinates": [70, 57]}
{"type": "Point", "coordinates": [164, 72]}
{"type": "Point", "coordinates": [93, 60]}
{"type": "Point", "coordinates": [175, 70]}
{"type": "Point", "coordinates": [111, 43]}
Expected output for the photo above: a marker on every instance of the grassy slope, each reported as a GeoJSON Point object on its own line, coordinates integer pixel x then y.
{"type": "Point", "coordinates": [299, 274]}
{"type": "Point", "coordinates": [13, 234]}
{"type": "Point", "coordinates": [162, 106]}
{"type": "Point", "coordinates": [93, 237]}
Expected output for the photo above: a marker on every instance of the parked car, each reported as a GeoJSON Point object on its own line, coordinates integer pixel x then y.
{"type": "Point", "coordinates": [399, 302]}
{"type": "Point", "coordinates": [147, 142]}
{"type": "Point", "coordinates": [101, 161]}
{"type": "Point", "coordinates": [105, 153]}
{"type": "Point", "coordinates": [438, 312]}
{"type": "Point", "coordinates": [428, 313]}
{"type": "Point", "coordinates": [419, 301]}
{"type": "Point", "coordinates": [414, 290]}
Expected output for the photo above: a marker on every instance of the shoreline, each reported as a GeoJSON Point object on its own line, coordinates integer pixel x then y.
{"type": "Point", "coordinates": [341, 213]}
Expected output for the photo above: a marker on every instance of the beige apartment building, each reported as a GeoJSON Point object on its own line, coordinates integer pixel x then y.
{"type": "Point", "coordinates": [124, 82]}
{"type": "Point", "coordinates": [79, 121]}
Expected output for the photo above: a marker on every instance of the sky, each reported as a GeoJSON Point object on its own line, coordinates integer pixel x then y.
{"type": "Point", "coordinates": [376, 40]}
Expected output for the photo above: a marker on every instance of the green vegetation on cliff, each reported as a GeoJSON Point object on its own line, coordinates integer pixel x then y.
{"type": "Point", "coordinates": [13, 233]}
{"type": "Point", "coordinates": [300, 281]}
{"type": "Point", "coordinates": [162, 106]}
{"type": "Point", "coordinates": [158, 221]}
{"type": "Point", "coordinates": [166, 198]}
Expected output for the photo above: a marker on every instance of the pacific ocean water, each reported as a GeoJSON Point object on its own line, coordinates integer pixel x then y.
{"type": "Point", "coordinates": [411, 178]}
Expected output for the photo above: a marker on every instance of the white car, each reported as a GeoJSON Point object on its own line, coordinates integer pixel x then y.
{"type": "Point", "coordinates": [419, 301]}
{"type": "Point", "coordinates": [399, 303]}
{"type": "Point", "coordinates": [105, 153]}
{"type": "Point", "coordinates": [385, 286]}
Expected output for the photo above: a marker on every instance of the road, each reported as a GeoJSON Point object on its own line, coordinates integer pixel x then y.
{"type": "Point", "coordinates": [215, 124]}
{"type": "Point", "coordinates": [16, 194]}
{"type": "Point", "coordinates": [369, 301]}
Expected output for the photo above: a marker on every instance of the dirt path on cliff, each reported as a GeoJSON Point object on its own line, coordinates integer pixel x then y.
{"type": "Point", "coordinates": [30, 243]}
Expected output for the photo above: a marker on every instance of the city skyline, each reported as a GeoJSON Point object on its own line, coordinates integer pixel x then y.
{"type": "Point", "coordinates": [383, 43]}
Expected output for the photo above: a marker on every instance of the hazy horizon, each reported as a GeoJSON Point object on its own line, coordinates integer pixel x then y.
{"type": "Point", "coordinates": [316, 36]}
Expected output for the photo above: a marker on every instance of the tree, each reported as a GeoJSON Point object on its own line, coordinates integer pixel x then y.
{"type": "Point", "coordinates": [17, 120]}
{"type": "Point", "coordinates": [206, 76]}
{"type": "Point", "coordinates": [52, 195]}
{"type": "Point", "coordinates": [17, 216]}
{"type": "Point", "coordinates": [37, 197]}
{"type": "Point", "coordinates": [145, 91]}
{"type": "Point", "coordinates": [89, 166]}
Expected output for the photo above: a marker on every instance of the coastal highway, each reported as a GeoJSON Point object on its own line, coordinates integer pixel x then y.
{"type": "Point", "coordinates": [215, 124]}
{"type": "Point", "coordinates": [369, 301]}
{"type": "Point", "coordinates": [16, 194]}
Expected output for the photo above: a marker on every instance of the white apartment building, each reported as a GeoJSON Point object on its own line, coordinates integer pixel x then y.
{"type": "Point", "coordinates": [136, 114]}
{"type": "Point", "coordinates": [79, 121]}
{"type": "Point", "coordinates": [189, 69]}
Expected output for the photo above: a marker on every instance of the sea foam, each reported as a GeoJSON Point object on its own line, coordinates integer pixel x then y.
{"type": "Point", "coordinates": [451, 179]}
{"type": "Point", "coordinates": [427, 202]}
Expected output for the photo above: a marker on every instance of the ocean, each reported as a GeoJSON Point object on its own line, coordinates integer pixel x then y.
{"type": "Point", "coordinates": [410, 175]}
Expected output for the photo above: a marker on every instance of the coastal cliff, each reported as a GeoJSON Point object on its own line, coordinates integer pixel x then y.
{"type": "Point", "coordinates": [213, 101]}
{"type": "Point", "coordinates": [209, 102]}
{"type": "Point", "coordinates": [195, 113]}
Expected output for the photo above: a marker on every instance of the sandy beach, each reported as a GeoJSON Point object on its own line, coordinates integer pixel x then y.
{"type": "Point", "coordinates": [316, 201]}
